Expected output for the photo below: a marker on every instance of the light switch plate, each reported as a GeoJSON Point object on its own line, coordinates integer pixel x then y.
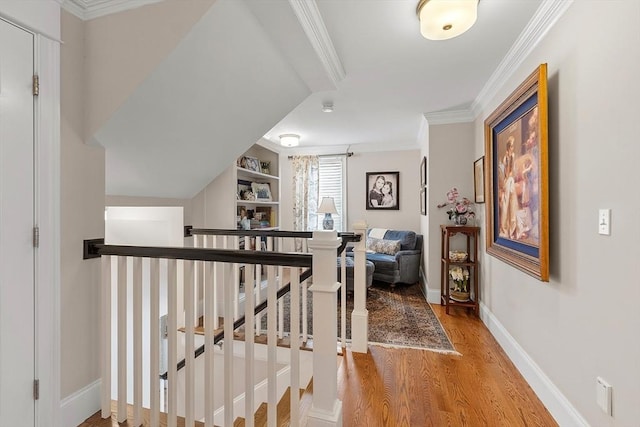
{"type": "Point", "coordinates": [603, 395]}
{"type": "Point", "coordinates": [604, 221]}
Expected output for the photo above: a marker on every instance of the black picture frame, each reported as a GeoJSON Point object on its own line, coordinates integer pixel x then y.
{"type": "Point", "coordinates": [376, 195]}
{"type": "Point", "coordinates": [423, 172]}
{"type": "Point", "coordinates": [423, 201]}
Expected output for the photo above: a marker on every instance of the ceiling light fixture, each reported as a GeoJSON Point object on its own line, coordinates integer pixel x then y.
{"type": "Point", "coordinates": [446, 19]}
{"type": "Point", "coordinates": [327, 107]}
{"type": "Point", "coordinates": [289, 140]}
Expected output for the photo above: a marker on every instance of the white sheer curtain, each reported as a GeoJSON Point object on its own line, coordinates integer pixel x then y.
{"type": "Point", "coordinates": [305, 192]}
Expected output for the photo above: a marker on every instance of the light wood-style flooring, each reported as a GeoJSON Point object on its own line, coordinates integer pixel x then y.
{"type": "Point", "coordinates": [414, 388]}
{"type": "Point", "coordinates": [406, 387]}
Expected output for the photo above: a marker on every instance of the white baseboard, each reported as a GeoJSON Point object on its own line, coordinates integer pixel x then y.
{"type": "Point", "coordinates": [79, 406]}
{"type": "Point", "coordinates": [557, 404]}
{"type": "Point", "coordinates": [433, 295]}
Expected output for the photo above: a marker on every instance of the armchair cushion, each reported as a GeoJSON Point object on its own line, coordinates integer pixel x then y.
{"type": "Point", "coordinates": [404, 265]}
{"type": "Point", "coordinates": [383, 246]}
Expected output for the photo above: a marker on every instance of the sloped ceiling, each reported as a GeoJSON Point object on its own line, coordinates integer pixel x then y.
{"type": "Point", "coordinates": [214, 96]}
{"type": "Point", "coordinates": [255, 69]}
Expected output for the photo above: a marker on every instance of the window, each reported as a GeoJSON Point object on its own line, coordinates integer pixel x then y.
{"type": "Point", "coordinates": [331, 183]}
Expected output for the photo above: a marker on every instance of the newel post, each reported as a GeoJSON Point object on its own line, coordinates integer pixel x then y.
{"type": "Point", "coordinates": [360, 314]}
{"type": "Point", "coordinates": [326, 409]}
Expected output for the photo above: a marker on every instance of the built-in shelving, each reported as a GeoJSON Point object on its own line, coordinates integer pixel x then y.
{"type": "Point", "coordinates": [263, 214]}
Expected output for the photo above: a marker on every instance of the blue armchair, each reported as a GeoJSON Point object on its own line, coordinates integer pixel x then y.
{"type": "Point", "coordinates": [396, 257]}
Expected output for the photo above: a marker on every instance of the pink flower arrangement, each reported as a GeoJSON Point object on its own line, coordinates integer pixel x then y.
{"type": "Point", "coordinates": [458, 208]}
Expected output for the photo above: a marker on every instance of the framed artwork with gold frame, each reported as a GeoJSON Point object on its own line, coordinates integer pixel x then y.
{"type": "Point", "coordinates": [516, 178]}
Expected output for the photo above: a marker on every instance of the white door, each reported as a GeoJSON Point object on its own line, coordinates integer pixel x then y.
{"type": "Point", "coordinates": [17, 280]}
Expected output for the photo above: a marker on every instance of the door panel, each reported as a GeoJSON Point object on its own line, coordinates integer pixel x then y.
{"type": "Point", "coordinates": [17, 406]}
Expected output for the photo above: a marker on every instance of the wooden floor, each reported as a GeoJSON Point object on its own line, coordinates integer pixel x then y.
{"type": "Point", "coordinates": [405, 387]}
{"type": "Point", "coordinates": [414, 388]}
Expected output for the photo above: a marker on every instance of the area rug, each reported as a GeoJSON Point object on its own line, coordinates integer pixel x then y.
{"type": "Point", "coordinates": [399, 317]}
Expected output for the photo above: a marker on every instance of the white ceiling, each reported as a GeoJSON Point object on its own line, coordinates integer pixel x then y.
{"type": "Point", "coordinates": [394, 75]}
{"type": "Point", "coordinates": [365, 56]}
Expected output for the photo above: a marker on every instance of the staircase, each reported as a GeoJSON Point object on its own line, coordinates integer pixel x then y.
{"type": "Point", "coordinates": [207, 389]}
{"type": "Point", "coordinates": [283, 418]}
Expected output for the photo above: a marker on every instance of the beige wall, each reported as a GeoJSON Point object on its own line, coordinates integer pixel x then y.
{"type": "Point", "coordinates": [585, 322]}
{"type": "Point", "coordinates": [450, 164]}
{"type": "Point", "coordinates": [215, 205]}
{"type": "Point", "coordinates": [82, 217]}
{"type": "Point", "coordinates": [406, 162]}
{"type": "Point", "coordinates": [152, 201]}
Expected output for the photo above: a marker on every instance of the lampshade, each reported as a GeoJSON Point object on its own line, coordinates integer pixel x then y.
{"type": "Point", "coordinates": [445, 19]}
{"type": "Point", "coordinates": [289, 140]}
{"type": "Point", "coordinates": [327, 206]}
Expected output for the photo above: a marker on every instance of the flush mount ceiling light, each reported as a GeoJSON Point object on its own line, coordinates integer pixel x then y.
{"type": "Point", "coordinates": [289, 140]}
{"type": "Point", "coordinates": [446, 19]}
{"type": "Point", "coordinates": [327, 107]}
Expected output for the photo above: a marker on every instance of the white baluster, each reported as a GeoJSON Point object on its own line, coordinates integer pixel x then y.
{"type": "Point", "coordinates": [343, 300]}
{"type": "Point", "coordinates": [258, 292]}
{"type": "Point", "coordinates": [198, 294]}
{"type": "Point", "coordinates": [228, 339]}
{"type": "Point", "coordinates": [236, 281]}
{"type": "Point", "coordinates": [294, 341]}
{"type": "Point", "coordinates": [326, 409]}
{"type": "Point", "coordinates": [106, 337]}
{"type": "Point", "coordinates": [122, 339]}
{"type": "Point", "coordinates": [137, 341]}
{"type": "Point", "coordinates": [190, 379]}
{"type": "Point", "coordinates": [272, 341]}
{"type": "Point", "coordinates": [360, 315]}
{"type": "Point", "coordinates": [249, 275]}
{"type": "Point", "coordinates": [281, 300]}
{"type": "Point", "coordinates": [305, 314]}
{"type": "Point", "coordinates": [154, 351]}
{"type": "Point", "coordinates": [216, 270]}
{"type": "Point", "coordinates": [209, 354]}
{"type": "Point", "coordinates": [172, 338]}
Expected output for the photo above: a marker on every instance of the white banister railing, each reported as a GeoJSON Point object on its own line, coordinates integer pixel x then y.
{"type": "Point", "coordinates": [360, 315]}
{"type": "Point", "coordinates": [207, 389]}
{"type": "Point", "coordinates": [326, 408]}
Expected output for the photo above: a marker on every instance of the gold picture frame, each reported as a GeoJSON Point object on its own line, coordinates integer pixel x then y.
{"type": "Point", "coordinates": [516, 178]}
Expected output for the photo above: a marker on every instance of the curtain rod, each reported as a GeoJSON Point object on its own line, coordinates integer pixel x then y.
{"type": "Point", "coordinates": [348, 154]}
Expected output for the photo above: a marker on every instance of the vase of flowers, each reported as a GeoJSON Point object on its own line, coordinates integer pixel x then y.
{"type": "Point", "coordinates": [459, 211]}
{"type": "Point", "coordinates": [460, 277]}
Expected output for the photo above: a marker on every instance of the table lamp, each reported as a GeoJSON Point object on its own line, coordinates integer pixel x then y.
{"type": "Point", "coordinates": [327, 207]}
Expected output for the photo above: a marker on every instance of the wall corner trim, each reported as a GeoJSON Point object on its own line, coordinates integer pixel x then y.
{"type": "Point", "coordinates": [558, 405]}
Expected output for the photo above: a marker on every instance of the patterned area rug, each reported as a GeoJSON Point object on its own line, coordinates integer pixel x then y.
{"type": "Point", "coordinates": [400, 317]}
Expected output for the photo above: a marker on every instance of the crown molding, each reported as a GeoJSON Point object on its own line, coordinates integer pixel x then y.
{"type": "Point", "coordinates": [90, 9]}
{"type": "Point", "coordinates": [447, 117]}
{"type": "Point", "coordinates": [311, 21]}
{"type": "Point", "coordinates": [542, 21]}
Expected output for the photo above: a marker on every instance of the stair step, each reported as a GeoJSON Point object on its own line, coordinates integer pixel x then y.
{"type": "Point", "coordinates": [259, 339]}
{"type": "Point", "coordinates": [283, 410]}
{"type": "Point", "coordinates": [96, 419]}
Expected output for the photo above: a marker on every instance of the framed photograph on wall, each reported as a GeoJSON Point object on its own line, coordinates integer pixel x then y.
{"type": "Point", "coordinates": [383, 190]}
{"type": "Point", "coordinates": [423, 201]}
{"type": "Point", "coordinates": [478, 180]}
{"type": "Point", "coordinates": [516, 176]}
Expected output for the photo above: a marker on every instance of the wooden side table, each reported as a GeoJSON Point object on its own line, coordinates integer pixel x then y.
{"type": "Point", "coordinates": [471, 234]}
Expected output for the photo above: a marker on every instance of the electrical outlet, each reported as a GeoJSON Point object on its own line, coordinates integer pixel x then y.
{"type": "Point", "coordinates": [603, 395]}
{"type": "Point", "coordinates": [604, 222]}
